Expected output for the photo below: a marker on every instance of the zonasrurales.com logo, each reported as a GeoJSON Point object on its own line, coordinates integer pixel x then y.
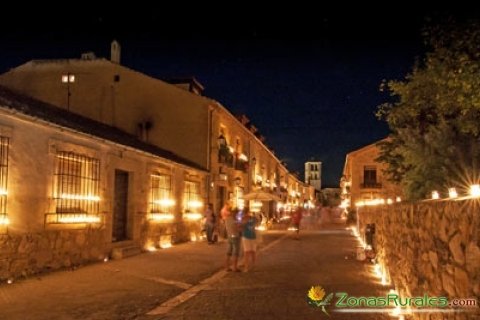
{"type": "Point", "coordinates": [316, 297]}
{"type": "Point", "coordinates": [391, 303]}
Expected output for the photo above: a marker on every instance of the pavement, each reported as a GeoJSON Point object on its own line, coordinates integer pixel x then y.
{"type": "Point", "coordinates": [188, 281]}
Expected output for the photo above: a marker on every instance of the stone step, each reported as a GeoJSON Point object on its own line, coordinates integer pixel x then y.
{"type": "Point", "coordinates": [124, 252]}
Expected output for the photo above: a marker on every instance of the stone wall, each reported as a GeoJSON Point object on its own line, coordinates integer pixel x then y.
{"type": "Point", "coordinates": [430, 247]}
{"type": "Point", "coordinates": [178, 232]}
{"type": "Point", "coordinates": [25, 254]}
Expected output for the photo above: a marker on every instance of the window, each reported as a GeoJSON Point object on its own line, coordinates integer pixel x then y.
{"type": "Point", "coordinates": [76, 185]}
{"type": "Point", "coordinates": [161, 193]}
{"type": "Point", "coordinates": [191, 196]}
{"type": "Point", "coordinates": [4, 143]}
{"type": "Point", "coordinates": [370, 176]}
{"type": "Point", "coordinates": [68, 78]}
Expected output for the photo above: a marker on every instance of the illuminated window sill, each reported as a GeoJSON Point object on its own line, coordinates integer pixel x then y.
{"type": "Point", "coordinates": [72, 218]}
{"type": "Point", "coordinates": [160, 217]}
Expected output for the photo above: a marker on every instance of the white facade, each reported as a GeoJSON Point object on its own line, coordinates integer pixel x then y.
{"type": "Point", "coordinates": [313, 174]}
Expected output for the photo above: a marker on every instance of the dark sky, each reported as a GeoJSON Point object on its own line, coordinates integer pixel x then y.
{"type": "Point", "coordinates": [308, 79]}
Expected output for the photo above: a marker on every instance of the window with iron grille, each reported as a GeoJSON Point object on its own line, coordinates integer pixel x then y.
{"type": "Point", "coordinates": [161, 193]}
{"type": "Point", "coordinates": [76, 182]}
{"type": "Point", "coordinates": [191, 196]}
{"type": "Point", "coordinates": [4, 143]}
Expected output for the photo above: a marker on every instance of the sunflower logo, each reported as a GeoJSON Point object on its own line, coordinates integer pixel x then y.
{"type": "Point", "coordinates": [316, 296]}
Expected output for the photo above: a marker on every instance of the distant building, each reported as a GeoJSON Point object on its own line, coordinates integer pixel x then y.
{"type": "Point", "coordinates": [330, 196]}
{"type": "Point", "coordinates": [363, 178]}
{"type": "Point", "coordinates": [313, 174]}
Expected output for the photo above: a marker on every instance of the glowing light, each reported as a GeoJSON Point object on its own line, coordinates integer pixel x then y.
{"type": "Point", "coordinates": [435, 195]}
{"type": "Point", "coordinates": [475, 190]}
{"type": "Point", "coordinates": [162, 217]}
{"type": "Point", "coordinates": [73, 218]}
{"type": "Point", "coordinates": [194, 204]}
{"type": "Point", "coordinates": [452, 193]}
{"type": "Point", "coordinates": [292, 229]}
{"type": "Point", "coordinates": [3, 192]}
{"type": "Point", "coordinates": [398, 199]}
{"type": "Point", "coordinates": [88, 197]}
{"type": "Point", "coordinates": [261, 228]}
{"type": "Point", "coordinates": [165, 202]}
{"type": "Point", "coordinates": [165, 242]}
{"type": "Point", "coordinates": [193, 237]}
{"type": "Point", "coordinates": [192, 216]}
{"type": "Point", "coordinates": [243, 157]}
{"type": "Point", "coordinates": [4, 220]}
{"type": "Point", "coordinates": [105, 259]}
{"type": "Point", "coordinates": [151, 249]}
{"type": "Point", "coordinates": [389, 201]}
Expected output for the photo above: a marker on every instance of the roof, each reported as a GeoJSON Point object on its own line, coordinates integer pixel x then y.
{"type": "Point", "coordinates": [12, 100]}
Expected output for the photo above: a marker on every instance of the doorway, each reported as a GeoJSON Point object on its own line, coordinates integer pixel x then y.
{"type": "Point", "coordinates": [120, 210]}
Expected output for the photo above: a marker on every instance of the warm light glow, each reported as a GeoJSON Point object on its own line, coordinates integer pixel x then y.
{"type": "Point", "coordinates": [243, 157]}
{"type": "Point", "coordinates": [88, 197]}
{"type": "Point", "coordinates": [230, 149]}
{"type": "Point", "coordinates": [77, 218]}
{"type": "Point", "coordinates": [4, 220]}
{"type": "Point", "coordinates": [151, 249]}
{"type": "Point", "coordinates": [399, 199]}
{"type": "Point", "coordinates": [435, 195]}
{"type": "Point", "coordinates": [105, 259]}
{"type": "Point", "coordinates": [193, 237]}
{"type": "Point", "coordinates": [165, 242]}
{"type": "Point", "coordinates": [261, 228]}
{"type": "Point", "coordinates": [3, 192]}
{"type": "Point", "coordinates": [475, 190]}
{"type": "Point", "coordinates": [192, 216]}
{"type": "Point", "coordinates": [452, 193]}
{"type": "Point", "coordinates": [194, 204]}
{"type": "Point", "coordinates": [292, 229]}
{"type": "Point", "coordinates": [165, 202]}
{"type": "Point", "coordinates": [162, 217]}
{"type": "Point", "coordinates": [389, 201]}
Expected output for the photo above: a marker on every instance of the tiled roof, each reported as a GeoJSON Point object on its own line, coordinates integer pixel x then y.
{"type": "Point", "coordinates": [26, 105]}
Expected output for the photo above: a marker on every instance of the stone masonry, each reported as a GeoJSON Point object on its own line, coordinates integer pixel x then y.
{"type": "Point", "coordinates": [430, 247]}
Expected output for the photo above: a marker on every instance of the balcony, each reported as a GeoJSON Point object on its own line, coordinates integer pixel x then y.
{"type": "Point", "coordinates": [371, 185]}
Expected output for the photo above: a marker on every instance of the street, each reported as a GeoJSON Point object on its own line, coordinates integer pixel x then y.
{"type": "Point", "coordinates": [188, 281]}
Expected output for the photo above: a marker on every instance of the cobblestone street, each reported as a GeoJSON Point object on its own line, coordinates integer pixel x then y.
{"type": "Point", "coordinates": [188, 282]}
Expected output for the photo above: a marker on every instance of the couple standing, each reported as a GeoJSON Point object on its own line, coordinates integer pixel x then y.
{"type": "Point", "coordinates": [245, 230]}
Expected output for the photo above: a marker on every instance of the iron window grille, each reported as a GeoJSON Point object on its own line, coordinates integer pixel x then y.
{"type": "Point", "coordinates": [191, 196]}
{"type": "Point", "coordinates": [161, 194]}
{"type": "Point", "coordinates": [76, 186]}
{"type": "Point", "coordinates": [4, 144]}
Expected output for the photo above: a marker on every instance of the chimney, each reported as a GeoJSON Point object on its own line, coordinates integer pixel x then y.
{"type": "Point", "coordinates": [115, 52]}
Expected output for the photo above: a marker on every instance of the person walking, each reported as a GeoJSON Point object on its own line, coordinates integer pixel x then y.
{"type": "Point", "coordinates": [210, 221]}
{"type": "Point", "coordinates": [249, 239]}
{"type": "Point", "coordinates": [296, 219]}
{"type": "Point", "coordinates": [233, 238]}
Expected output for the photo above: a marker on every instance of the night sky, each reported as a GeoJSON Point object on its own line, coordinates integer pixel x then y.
{"type": "Point", "coordinates": [309, 80]}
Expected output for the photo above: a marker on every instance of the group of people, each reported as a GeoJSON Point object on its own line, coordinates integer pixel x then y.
{"type": "Point", "coordinates": [240, 231]}
{"type": "Point", "coordinates": [239, 227]}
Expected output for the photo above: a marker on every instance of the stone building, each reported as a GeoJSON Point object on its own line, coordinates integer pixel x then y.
{"type": "Point", "coordinates": [74, 190]}
{"type": "Point", "coordinates": [363, 179]}
{"type": "Point", "coordinates": [313, 174]}
{"type": "Point", "coordinates": [173, 116]}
